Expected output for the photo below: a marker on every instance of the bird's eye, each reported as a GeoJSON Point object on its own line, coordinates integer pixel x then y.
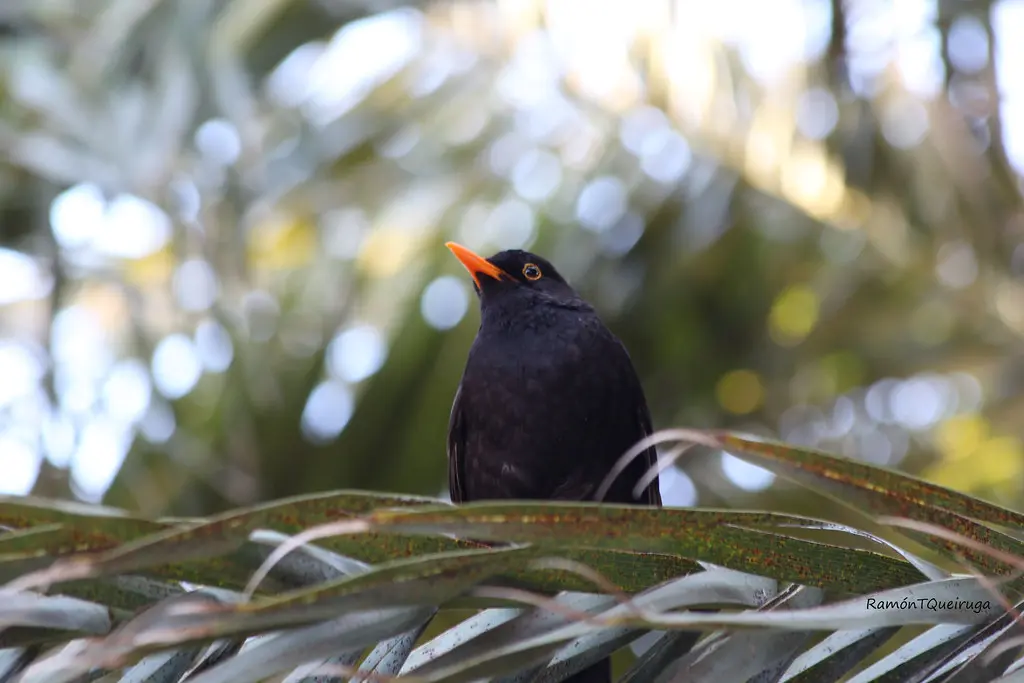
{"type": "Point", "coordinates": [531, 271]}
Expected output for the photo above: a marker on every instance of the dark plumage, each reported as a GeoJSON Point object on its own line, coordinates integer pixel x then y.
{"type": "Point", "coordinates": [549, 400]}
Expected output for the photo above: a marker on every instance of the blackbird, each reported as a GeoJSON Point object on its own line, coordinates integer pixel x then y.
{"type": "Point", "coordinates": [549, 399]}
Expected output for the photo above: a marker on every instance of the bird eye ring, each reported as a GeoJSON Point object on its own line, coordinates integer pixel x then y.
{"type": "Point", "coordinates": [531, 271]}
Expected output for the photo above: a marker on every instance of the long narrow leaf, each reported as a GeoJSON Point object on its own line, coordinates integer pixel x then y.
{"type": "Point", "coordinates": [225, 533]}
{"type": "Point", "coordinates": [883, 491]}
{"type": "Point", "coordinates": [585, 651]}
{"type": "Point", "coordinates": [837, 655]}
{"type": "Point", "coordinates": [520, 647]}
{"type": "Point", "coordinates": [743, 655]}
{"type": "Point", "coordinates": [19, 608]}
{"type": "Point", "coordinates": [657, 659]}
{"type": "Point", "coordinates": [479, 642]}
{"type": "Point", "coordinates": [287, 650]}
{"type": "Point", "coordinates": [163, 667]}
{"type": "Point", "coordinates": [743, 541]}
{"type": "Point", "coordinates": [389, 656]}
{"type": "Point", "coordinates": [964, 663]}
{"type": "Point", "coordinates": [931, 646]}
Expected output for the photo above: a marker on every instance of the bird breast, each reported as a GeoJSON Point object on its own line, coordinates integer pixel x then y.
{"type": "Point", "coordinates": [532, 396]}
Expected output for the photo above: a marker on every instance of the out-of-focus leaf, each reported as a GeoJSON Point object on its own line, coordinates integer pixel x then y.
{"type": "Point", "coordinates": [957, 600]}
{"type": "Point", "coordinates": [476, 636]}
{"type": "Point", "coordinates": [418, 582]}
{"type": "Point", "coordinates": [738, 540]}
{"type": "Point", "coordinates": [584, 651]}
{"type": "Point", "coordinates": [291, 648]}
{"type": "Point", "coordinates": [881, 490]}
{"type": "Point", "coordinates": [79, 657]}
{"type": "Point", "coordinates": [536, 637]}
{"type": "Point", "coordinates": [967, 662]}
{"type": "Point", "coordinates": [744, 655]}
{"type": "Point", "coordinates": [112, 28]}
{"type": "Point", "coordinates": [14, 565]}
{"type": "Point", "coordinates": [121, 593]}
{"type": "Point", "coordinates": [674, 644]}
{"type": "Point", "coordinates": [67, 665]}
{"type": "Point", "coordinates": [388, 658]}
{"type": "Point", "coordinates": [217, 554]}
{"type": "Point", "coordinates": [66, 527]}
{"type": "Point", "coordinates": [630, 571]}
{"type": "Point", "coordinates": [480, 623]}
{"type": "Point", "coordinates": [847, 476]}
{"type": "Point", "coordinates": [330, 670]}
{"type": "Point", "coordinates": [162, 667]}
{"type": "Point", "coordinates": [1014, 676]}
{"type": "Point", "coordinates": [20, 608]}
{"type": "Point", "coordinates": [215, 652]}
{"type": "Point", "coordinates": [307, 564]}
{"type": "Point", "coordinates": [855, 613]}
{"type": "Point", "coordinates": [928, 569]}
{"type": "Point", "coordinates": [37, 539]}
{"type": "Point", "coordinates": [13, 660]}
{"type": "Point", "coordinates": [658, 658]}
{"type": "Point", "coordinates": [837, 654]}
{"type": "Point", "coordinates": [225, 533]}
{"type": "Point", "coordinates": [931, 646]}
{"type": "Point", "coordinates": [303, 566]}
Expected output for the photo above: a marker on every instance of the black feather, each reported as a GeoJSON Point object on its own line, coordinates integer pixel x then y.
{"type": "Point", "coordinates": [549, 400]}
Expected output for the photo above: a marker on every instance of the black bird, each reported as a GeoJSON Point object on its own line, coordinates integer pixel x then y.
{"type": "Point", "coordinates": [549, 400]}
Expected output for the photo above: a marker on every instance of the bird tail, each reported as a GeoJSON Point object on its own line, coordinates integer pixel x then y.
{"type": "Point", "coordinates": [601, 672]}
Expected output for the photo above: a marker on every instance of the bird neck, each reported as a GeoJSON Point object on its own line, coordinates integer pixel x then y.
{"type": "Point", "coordinates": [529, 313]}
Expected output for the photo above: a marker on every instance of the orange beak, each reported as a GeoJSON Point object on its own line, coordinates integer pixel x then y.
{"type": "Point", "coordinates": [476, 265]}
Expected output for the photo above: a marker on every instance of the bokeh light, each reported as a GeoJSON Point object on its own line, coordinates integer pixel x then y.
{"type": "Point", "coordinates": [356, 353]}
{"type": "Point", "coordinates": [740, 392]}
{"type": "Point", "coordinates": [21, 278]}
{"type": "Point", "coordinates": [21, 465]}
{"type": "Point", "coordinates": [444, 302]}
{"type": "Point", "coordinates": [745, 475]}
{"type": "Point", "coordinates": [176, 366]}
{"type": "Point", "coordinates": [677, 488]}
{"type": "Point", "coordinates": [327, 411]}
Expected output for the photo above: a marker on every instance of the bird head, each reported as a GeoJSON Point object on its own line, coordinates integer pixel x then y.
{"type": "Point", "coordinates": [514, 273]}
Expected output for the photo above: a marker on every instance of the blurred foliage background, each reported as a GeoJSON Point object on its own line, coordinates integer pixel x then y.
{"type": "Point", "coordinates": [222, 272]}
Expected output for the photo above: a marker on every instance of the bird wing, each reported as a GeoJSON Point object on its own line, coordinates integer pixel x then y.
{"type": "Point", "coordinates": [650, 456]}
{"type": "Point", "coordinates": [456, 448]}
{"type": "Point", "coordinates": [581, 483]}
{"type": "Point", "coordinates": [618, 363]}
